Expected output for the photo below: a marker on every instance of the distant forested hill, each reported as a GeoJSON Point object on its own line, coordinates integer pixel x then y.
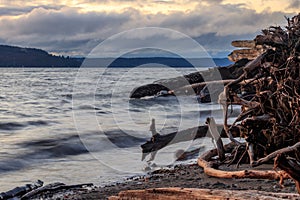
{"type": "Point", "coordinates": [11, 56]}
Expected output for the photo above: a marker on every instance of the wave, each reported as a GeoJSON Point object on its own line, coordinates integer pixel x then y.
{"type": "Point", "coordinates": [88, 107]}
{"type": "Point", "coordinates": [43, 149]}
{"type": "Point", "coordinates": [123, 140]}
{"type": "Point", "coordinates": [102, 113]}
{"type": "Point", "coordinates": [37, 123]}
{"type": "Point", "coordinates": [67, 96]}
{"type": "Point", "coordinates": [10, 126]}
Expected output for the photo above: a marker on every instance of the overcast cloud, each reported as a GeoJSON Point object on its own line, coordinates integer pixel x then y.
{"type": "Point", "coordinates": [294, 4]}
{"type": "Point", "coordinates": [70, 31]}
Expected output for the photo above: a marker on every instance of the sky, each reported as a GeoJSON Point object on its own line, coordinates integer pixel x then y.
{"type": "Point", "coordinates": [74, 28]}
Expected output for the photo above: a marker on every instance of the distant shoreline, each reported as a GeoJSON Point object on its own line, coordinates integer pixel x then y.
{"type": "Point", "coordinates": [17, 57]}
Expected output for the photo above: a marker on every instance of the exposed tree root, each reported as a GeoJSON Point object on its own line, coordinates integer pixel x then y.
{"type": "Point", "coordinates": [209, 168]}
{"type": "Point", "coordinates": [268, 91]}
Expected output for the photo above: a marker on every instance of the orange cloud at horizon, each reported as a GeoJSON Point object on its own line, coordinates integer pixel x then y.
{"type": "Point", "coordinates": [148, 7]}
{"type": "Point", "coordinates": [118, 6]}
{"type": "Point", "coordinates": [154, 6]}
{"type": "Point", "coordinates": [267, 5]}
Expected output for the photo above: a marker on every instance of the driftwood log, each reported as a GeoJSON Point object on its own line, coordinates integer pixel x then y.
{"type": "Point", "coordinates": [19, 191]}
{"type": "Point", "coordinates": [53, 187]}
{"type": "Point", "coordinates": [30, 191]}
{"type": "Point", "coordinates": [159, 141]}
{"type": "Point", "coordinates": [268, 90]}
{"type": "Point", "coordinates": [270, 116]}
{"type": "Point", "coordinates": [249, 49]}
{"type": "Point", "coordinates": [204, 162]}
{"type": "Point", "coordinates": [197, 194]}
{"type": "Point", "coordinates": [177, 84]}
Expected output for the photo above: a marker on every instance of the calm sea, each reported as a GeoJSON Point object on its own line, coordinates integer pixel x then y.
{"type": "Point", "coordinates": [79, 126]}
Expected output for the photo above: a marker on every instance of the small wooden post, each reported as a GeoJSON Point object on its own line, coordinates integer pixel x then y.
{"type": "Point", "coordinates": [153, 138]}
{"type": "Point", "coordinates": [153, 129]}
{"type": "Point", "coordinates": [212, 126]}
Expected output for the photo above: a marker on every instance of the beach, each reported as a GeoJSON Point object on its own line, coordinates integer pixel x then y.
{"type": "Point", "coordinates": [145, 101]}
{"type": "Point", "coordinates": [180, 176]}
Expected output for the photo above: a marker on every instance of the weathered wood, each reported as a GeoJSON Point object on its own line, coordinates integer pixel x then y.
{"type": "Point", "coordinates": [270, 116]}
{"type": "Point", "coordinates": [53, 187]}
{"type": "Point", "coordinates": [160, 141]}
{"type": "Point", "coordinates": [291, 167]}
{"type": "Point", "coordinates": [269, 121]}
{"type": "Point", "coordinates": [230, 72]}
{"type": "Point", "coordinates": [19, 191]}
{"type": "Point", "coordinates": [182, 155]}
{"type": "Point", "coordinates": [254, 64]}
{"type": "Point", "coordinates": [243, 43]}
{"type": "Point", "coordinates": [197, 87]}
{"type": "Point", "coordinates": [212, 127]}
{"type": "Point", "coordinates": [40, 190]}
{"type": "Point", "coordinates": [250, 153]}
{"type": "Point", "coordinates": [243, 53]}
{"type": "Point", "coordinates": [203, 161]}
{"type": "Point", "coordinates": [199, 194]}
{"type": "Point", "coordinates": [153, 128]}
{"type": "Point", "coordinates": [276, 153]}
{"type": "Point", "coordinates": [250, 50]}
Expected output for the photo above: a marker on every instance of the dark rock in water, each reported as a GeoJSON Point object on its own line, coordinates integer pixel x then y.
{"type": "Point", "coordinates": [230, 72]}
{"type": "Point", "coordinates": [147, 90]}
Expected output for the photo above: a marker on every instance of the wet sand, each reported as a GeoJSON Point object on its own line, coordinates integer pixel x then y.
{"type": "Point", "coordinates": [183, 176]}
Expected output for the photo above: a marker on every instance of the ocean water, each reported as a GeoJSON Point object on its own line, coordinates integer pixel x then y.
{"type": "Point", "coordinates": [79, 125]}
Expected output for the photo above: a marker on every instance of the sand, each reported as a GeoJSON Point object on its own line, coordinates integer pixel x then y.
{"type": "Point", "coordinates": [183, 176]}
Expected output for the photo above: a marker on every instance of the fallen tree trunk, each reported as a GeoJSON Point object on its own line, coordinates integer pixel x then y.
{"type": "Point", "coordinates": [230, 72]}
{"type": "Point", "coordinates": [158, 141]}
{"type": "Point", "coordinates": [197, 87]}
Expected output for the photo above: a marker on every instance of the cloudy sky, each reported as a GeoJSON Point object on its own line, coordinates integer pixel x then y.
{"type": "Point", "coordinates": [75, 27]}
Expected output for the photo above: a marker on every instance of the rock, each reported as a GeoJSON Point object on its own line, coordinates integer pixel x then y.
{"type": "Point", "coordinates": [218, 185]}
